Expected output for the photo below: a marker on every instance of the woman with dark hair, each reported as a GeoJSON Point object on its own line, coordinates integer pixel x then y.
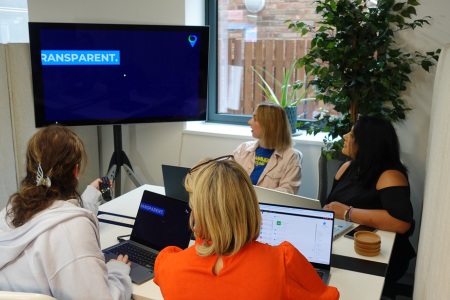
{"type": "Point", "coordinates": [373, 188]}
{"type": "Point", "coordinates": [49, 234]}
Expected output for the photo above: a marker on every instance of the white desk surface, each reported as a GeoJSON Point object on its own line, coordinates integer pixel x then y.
{"type": "Point", "coordinates": [351, 285]}
{"type": "Point", "coordinates": [128, 205]}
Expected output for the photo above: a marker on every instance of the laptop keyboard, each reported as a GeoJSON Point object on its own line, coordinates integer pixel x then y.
{"type": "Point", "coordinates": [320, 273]}
{"type": "Point", "coordinates": [136, 254]}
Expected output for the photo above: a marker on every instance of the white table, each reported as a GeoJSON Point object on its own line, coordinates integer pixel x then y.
{"type": "Point", "coordinates": [352, 284]}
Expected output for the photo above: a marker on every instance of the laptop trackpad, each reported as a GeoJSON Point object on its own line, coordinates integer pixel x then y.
{"type": "Point", "coordinates": [138, 273]}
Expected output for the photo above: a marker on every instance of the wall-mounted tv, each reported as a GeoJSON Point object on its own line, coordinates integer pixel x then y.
{"type": "Point", "coordinates": [98, 74]}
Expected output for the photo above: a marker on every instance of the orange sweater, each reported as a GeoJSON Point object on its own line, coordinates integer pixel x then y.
{"type": "Point", "coordinates": [257, 271]}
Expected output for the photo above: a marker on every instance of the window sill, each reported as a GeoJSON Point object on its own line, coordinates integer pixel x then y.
{"type": "Point", "coordinates": [242, 132]}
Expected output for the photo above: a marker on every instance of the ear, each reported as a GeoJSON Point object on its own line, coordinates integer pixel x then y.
{"type": "Point", "coordinates": [76, 171]}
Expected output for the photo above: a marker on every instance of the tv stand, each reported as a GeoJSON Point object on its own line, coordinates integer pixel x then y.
{"type": "Point", "coordinates": [120, 159]}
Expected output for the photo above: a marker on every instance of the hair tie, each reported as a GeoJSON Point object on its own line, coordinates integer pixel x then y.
{"type": "Point", "coordinates": [40, 180]}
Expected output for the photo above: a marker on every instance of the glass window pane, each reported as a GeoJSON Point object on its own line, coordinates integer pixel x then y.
{"type": "Point", "coordinates": [261, 39]}
{"type": "Point", "coordinates": [13, 21]}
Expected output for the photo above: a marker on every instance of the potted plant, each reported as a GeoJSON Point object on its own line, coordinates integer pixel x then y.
{"type": "Point", "coordinates": [288, 99]}
{"type": "Point", "coordinates": [358, 67]}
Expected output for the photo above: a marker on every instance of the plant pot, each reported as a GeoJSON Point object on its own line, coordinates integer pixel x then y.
{"type": "Point", "coordinates": [291, 113]}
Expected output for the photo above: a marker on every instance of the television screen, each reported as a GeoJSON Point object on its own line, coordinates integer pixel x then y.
{"type": "Point", "coordinates": [97, 74]}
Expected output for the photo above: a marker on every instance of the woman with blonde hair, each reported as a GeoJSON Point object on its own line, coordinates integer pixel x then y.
{"type": "Point", "coordinates": [49, 234]}
{"type": "Point", "coordinates": [226, 261]}
{"type": "Point", "coordinates": [270, 161]}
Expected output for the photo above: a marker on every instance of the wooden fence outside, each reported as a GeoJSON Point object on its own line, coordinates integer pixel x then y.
{"type": "Point", "coordinates": [239, 92]}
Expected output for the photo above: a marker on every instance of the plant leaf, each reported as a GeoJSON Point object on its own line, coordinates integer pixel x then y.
{"type": "Point", "coordinates": [426, 65]}
{"type": "Point", "coordinates": [405, 14]}
{"type": "Point", "coordinates": [413, 2]}
{"type": "Point", "coordinates": [411, 10]}
{"type": "Point", "coordinates": [269, 91]}
{"type": "Point", "coordinates": [398, 6]}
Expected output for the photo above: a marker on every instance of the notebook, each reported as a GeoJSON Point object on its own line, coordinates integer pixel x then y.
{"type": "Point", "coordinates": [308, 230]}
{"type": "Point", "coordinates": [161, 221]}
{"type": "Point", "coordinates": [173, 178]}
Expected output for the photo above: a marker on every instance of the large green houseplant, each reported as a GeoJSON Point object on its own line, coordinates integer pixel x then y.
{"type": "Point", "coordinates": [289, 94]}
{"type": "Point", "coordinates": [358, 67]}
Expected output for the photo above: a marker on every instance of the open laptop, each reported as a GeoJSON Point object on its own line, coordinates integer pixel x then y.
{"type": "Point", "coordinates": [174, 185]}
{"type": "Point", "coordinates": [161, 221]}
{"type": "Point", "coordinates": [341, 227]}
{"type": "Point", "coordinates": [173, 178]}
{"type": "Point", "coordinates": [276, 197]}
{"type": "Point", "coordinates": [308, 230]}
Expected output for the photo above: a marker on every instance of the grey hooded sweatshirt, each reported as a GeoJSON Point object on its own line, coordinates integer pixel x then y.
{"type": "Point", "coordinates": [57, 253]}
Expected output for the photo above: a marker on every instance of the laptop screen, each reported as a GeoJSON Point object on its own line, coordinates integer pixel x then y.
{"type": "Point", "coordinates": [162, 221]}
{"type": "Point", "coordinates": [174, 182]}
{"type": "Point", "coordinates": [310, 231]}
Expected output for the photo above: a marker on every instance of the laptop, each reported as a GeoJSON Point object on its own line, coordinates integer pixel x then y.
{"type": "Point", "coordinates": [341, 227]}
{"type": "Point", "coordinates": [174, 185]}
{"type": "Point", "coordinates": [276, 197]}
{"type": "Point", "coordinates": [308, 230]}
{"type": "Point", "coordinates": [173, 178]}
{"type": "Point", "coordinates": [161, 221]}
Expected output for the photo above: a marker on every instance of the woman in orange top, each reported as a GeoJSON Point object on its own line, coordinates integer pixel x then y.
{"type": "Point", "coordinates": [226, 261]}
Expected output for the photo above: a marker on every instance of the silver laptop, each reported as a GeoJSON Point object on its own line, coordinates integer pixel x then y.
{"type": "Point", "coordinates": [161, 221]}
{"type": "Point", "coordinates": [276, 197]}
{"type": "Point", "coordinates": [308, 230]}
{"type": "Point", "coordinates": [341, 227]}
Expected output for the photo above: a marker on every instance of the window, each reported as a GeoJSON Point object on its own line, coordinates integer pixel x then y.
{"type": "Point", "coordinates": [246, 33]}
{"type": "Point", "coordinates": [13, 21]}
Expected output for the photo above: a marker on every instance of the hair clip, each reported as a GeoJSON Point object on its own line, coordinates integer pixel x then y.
{"type": "Point", "coordinates": [40, 180]}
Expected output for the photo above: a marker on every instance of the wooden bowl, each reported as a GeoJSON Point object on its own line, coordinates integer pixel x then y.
{"type": "Point", "coordinates": [367, 238]}
{"type": "Point", "coordinates": [365, 252]}
{"type": "Point", "coordinates": [367, 246]}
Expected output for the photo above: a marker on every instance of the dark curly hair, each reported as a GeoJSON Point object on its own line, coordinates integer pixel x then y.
{"type": "Point", "coordinates": [59, 151]}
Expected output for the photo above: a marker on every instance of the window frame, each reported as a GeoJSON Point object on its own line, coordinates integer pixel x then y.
{"type": "Point", "coordinates": [211, 20]}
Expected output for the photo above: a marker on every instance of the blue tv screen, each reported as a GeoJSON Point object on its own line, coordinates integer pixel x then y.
{"type": "Point", "coordinates": [98, 74]}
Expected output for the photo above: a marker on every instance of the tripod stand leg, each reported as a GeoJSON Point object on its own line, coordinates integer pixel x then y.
{"type": "Point", "coordinates": [112, 172]}
{"type": "Point", "coordinates": [137, 182]}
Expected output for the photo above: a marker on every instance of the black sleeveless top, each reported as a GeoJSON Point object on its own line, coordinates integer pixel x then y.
{"type": "Point", "coordinates": [395, 200]}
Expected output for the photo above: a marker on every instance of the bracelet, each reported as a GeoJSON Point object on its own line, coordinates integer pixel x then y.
{"type": "Point", "coordinates": [346, 212]}
{"type": "Point", "coordinates": [350, 215]}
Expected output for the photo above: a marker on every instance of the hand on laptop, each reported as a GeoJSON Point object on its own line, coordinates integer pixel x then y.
{"type": "Point", "coordinates": [122, 258]}
{"type": "Point", "coordinates": [338, 208]}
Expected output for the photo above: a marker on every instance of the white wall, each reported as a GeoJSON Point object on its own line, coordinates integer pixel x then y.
{"type": "Point", "coordinates": [195, 12]}
{"type": "Point", "coordinates": [108, 11]}
{"type": "Point", "coordinates": [413, 132]}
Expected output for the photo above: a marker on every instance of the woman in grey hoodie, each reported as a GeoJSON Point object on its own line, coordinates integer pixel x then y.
{"type": "Point", "coordinates": [49, 234]}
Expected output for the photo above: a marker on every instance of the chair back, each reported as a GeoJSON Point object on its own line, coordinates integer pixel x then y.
{"type": "Point", "coordinates": [327, 172]}
{"type": "Point", "coordinates": [300, 156]}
